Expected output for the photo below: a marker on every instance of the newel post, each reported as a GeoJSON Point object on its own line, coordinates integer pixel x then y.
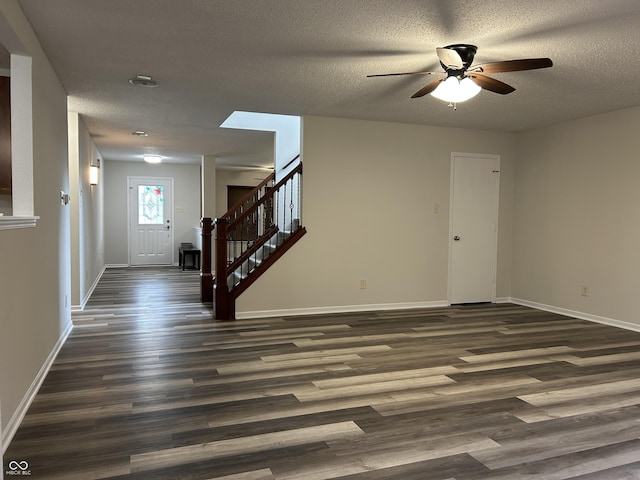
{"type": "Point", "coordinates": [221, 304]}
{"type": "Point", "coordinates": [206, 278]}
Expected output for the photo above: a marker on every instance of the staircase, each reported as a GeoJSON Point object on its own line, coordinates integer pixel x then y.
{"type": "Point", "coordinates": [249, 238]}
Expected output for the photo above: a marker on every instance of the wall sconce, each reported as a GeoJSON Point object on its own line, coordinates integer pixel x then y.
{"type": "Point", "coordinates": [94, 172]}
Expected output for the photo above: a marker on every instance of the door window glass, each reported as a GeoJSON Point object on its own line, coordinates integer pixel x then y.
{"type": "Point", "coordinates": [150, 204]}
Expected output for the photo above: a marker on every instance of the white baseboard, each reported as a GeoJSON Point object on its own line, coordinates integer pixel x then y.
{"type": "Point", "coordinates": [443, 303]}
{"type": "Point", "coordinates": [79, 308]}
{"type": "Point", "coordinates": [341, 309]}
{"type": "Point", "coordinates": [21, 411]}
{"type": "Point", "coordinates": [581, 315]}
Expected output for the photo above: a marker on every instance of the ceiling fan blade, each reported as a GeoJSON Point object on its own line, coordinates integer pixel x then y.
{"type": "Point", "coordinates": [514, 65]}
{"type": "Point", "coordinates": [491, 84]}
{"type": "Point", "coordinates": [450, 58]}
{"type": "Point", "coordinates": [428, 88]}
{"type": "Point", "coordinates": [403, 73]}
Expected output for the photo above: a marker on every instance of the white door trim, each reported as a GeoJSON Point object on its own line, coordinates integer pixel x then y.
{"type": "Point", "coordinates": [494, 252]}
{"type": "Point", "coordinates": [150, 180]}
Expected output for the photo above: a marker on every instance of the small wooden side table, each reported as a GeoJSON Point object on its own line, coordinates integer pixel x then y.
{"type": "Point", "coordinates": [187, 250]}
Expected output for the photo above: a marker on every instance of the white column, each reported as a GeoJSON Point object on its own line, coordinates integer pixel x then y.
{"type": "Point", "coordinates": [21, 136]}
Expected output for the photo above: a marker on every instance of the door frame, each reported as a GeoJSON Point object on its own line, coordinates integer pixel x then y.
{"type": "Point", "coordinates": [151, 180]}
{"type": "Point", "coordinates": [451, 219]}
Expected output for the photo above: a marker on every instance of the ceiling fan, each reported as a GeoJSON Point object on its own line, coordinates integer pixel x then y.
{"type": "Point", "coordinates": [462, 81]}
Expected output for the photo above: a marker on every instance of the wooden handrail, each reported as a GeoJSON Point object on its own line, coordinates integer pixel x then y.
{"type": "Point", "coordinates": [262, 200]}
{"type": "Point", "coordinates": [290, 162]}
{"type": "Point", "coordinates": [248, 196]}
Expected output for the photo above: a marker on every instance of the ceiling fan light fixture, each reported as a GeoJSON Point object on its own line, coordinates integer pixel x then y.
{"type": "Point", "coordinates": [453, 90]}
{"type": "Point", "coordinates": [152, 158]}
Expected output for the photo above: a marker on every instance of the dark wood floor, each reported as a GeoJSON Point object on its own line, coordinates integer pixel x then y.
{"type": "Point", "coordinates": [149, 387]}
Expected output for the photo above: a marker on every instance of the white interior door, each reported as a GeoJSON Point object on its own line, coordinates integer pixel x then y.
{"type": "Point", "coordinates": [473, 248]}
{"type": "Point", "coordinates": [150, 221]}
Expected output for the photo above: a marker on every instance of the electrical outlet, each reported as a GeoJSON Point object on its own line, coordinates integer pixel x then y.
{"type": "Point", "coordinates": [436, 208]}
{"type": "Point", "coordinates": [584, 290]}
{"type": "Point", "coordinates": [363, 284]}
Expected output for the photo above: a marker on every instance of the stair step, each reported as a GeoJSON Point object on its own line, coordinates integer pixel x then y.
{"type": "Point", "coordinates": [249, 265]}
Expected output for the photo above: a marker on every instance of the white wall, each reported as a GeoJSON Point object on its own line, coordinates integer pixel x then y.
{"type": "Point", "coordinates": [369, 190]}
{"type": "Point", "coordinates": [577, 207]}
{"type": "Point", "coordinates": [35, 286]}
{"type": "Point", "coordinates": [186, 204]}
{"type": "Point", "coordinates": [87, 212]}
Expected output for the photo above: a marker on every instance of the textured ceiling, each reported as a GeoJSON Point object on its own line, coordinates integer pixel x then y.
{"type": "Point", "coordinates": [311, 57]}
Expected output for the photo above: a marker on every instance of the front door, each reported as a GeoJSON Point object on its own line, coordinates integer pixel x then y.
{"type": "Point", "coordinates": [150, 221]}
{"type": "Point", "coordinates": [473, 235]}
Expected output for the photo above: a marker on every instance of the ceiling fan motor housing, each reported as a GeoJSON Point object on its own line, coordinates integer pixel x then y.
{"type": "Point", "coordinates": [467, 53]}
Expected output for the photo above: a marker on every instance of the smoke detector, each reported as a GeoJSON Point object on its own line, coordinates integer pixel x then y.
{"type": "Point", "coordinates": [143, 81]}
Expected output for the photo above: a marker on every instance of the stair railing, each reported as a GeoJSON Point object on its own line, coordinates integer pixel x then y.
{"type": "Point", "coordinates": [251, 236]}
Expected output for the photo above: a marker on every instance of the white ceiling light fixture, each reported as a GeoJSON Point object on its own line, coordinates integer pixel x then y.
{"type": "Point", "coordinates": [139, 133]}
{"type": "Point", "coordinates": [454, 90]}
{"type": "Point", "coordinates": [143, 81]}
{"type": "Point", "coordinates": [152, 158]}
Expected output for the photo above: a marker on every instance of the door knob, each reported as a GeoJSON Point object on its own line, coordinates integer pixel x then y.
{"type": "Point", "coordinates": [456, 238]}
